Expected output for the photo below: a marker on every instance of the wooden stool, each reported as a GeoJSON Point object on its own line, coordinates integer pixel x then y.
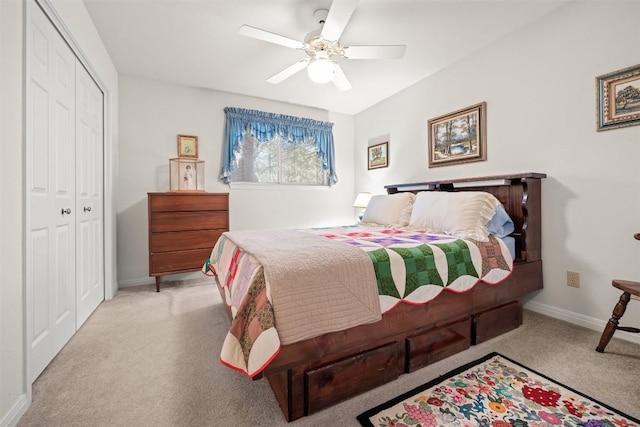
{"type": "Point", "coordinates": [628, 288]}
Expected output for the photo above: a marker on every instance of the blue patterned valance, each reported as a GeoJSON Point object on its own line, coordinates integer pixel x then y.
{"type": "Point", "coordinates": [265, 126]}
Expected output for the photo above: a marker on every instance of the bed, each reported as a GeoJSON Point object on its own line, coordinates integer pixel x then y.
{"type": "Point", "coordinates": [308, 373]}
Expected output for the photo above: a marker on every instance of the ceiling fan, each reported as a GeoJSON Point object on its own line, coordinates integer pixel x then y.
{"type": "Point", "coordinates": [323, 47]}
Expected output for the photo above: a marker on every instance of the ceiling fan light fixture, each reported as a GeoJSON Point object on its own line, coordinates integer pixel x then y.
{"type": "Point", "coordinates": [321, 70]}
{"type": "Point", "coordinates": [323, 44]}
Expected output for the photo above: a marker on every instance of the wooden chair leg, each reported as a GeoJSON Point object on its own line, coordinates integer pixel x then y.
{"type": "Point", "coordinates": [612, 324]}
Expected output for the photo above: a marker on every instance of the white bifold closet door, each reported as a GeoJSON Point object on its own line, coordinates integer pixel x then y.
{"type": "Point", "coordinates": [64, 157]}
{"type": "Point", "coordinates": [89, 196]}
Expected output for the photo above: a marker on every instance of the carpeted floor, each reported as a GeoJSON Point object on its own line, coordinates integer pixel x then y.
{"type": "Point", "coordinates": [151, 359]}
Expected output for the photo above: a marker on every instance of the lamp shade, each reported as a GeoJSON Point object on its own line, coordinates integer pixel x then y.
{"type": "Point", "coordinates": [362, 200]}
{"type": "Point", "coordinates": [321, 70]}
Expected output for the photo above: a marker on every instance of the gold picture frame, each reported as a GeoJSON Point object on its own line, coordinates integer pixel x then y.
{"type": "Point", "coordinates": [458, 137]}
{"type": "Point", "coordinates": [378, 156]}
{"type": "Point", "coordinates": [618, 98]}
{"type": "Point", "coordinates": [188, 146]}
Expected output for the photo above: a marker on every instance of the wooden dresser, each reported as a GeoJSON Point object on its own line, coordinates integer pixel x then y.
{"type": "Point", "coordinates": [183, 228]}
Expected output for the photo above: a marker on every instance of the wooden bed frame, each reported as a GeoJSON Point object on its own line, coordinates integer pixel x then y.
{"type": "Point", "coordinates": [314, 374]}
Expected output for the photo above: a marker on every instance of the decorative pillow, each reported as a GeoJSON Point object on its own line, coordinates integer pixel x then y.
{"type": "Point", "coordinates": [387, 209]}
{"type": "Point", "coordinates": [462, 214]}
{"type": "Point", "coordinates": [501, 224]}
{"type": "Point", "coordinates": [405, 214]}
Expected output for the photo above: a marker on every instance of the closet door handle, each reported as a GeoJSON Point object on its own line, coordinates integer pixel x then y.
{"type": "Point", "coordinates": [65, 211]}
{"type": "Point", "coordinates": [87, 209]}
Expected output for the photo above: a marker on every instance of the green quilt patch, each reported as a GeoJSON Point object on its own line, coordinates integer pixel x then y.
{"type": "Point", "coordinates": [458, 259]}
{"type": "Point", "coordinates": [420, 267]}
{"type": "Point", "coordinates": [382, 268]}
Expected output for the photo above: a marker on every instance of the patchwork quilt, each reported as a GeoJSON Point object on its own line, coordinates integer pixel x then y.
{"type": "Point", "coordinates": [410, 267]}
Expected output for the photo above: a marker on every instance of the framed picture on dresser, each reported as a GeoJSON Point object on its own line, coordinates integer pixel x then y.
{"type": "Point", "coordinates": [188, 146]}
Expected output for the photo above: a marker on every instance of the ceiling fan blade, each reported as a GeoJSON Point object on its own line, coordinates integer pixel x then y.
{"type": "Point", "coordinates": [337, 19]}
{"type": "Point", "coordinates": [375, 52]}
{"type": "Point", "coordinates": [257, 33]}
{"type": "Point", "coordinates": [340, 80]}
{"type": "Point", "coordinates": [288, 72]}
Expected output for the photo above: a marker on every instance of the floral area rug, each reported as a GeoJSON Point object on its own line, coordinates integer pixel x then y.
{"type": "Point", "coordinates": [494, 391]}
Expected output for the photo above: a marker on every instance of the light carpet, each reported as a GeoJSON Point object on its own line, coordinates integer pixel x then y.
{"type": "Point", "coordinates": [151, 359]}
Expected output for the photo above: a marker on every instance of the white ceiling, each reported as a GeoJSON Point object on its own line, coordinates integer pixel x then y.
{"type": "Point", "coordinates": [196, 42]}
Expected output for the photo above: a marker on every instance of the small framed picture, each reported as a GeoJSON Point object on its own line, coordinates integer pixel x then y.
{"type": "Point", "coordinates": [458, 137]}
{"type": "Point", "coordinates": [187, 146]}
{"type": "Point", "coordinates": [618, 96]}
{"type": "Point", "coordinates": [378, 155]}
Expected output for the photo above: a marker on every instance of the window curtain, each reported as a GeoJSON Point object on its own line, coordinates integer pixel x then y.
{"type": "Point", "coordinates": [265, 126]}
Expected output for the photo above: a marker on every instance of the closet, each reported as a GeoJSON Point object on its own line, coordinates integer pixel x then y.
{"type": "Point", "coordinates": [64, 192]}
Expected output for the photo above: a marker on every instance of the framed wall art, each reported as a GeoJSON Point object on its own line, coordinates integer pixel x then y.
{"type": "Point", "coordinates": [618, 98]}
{"type": "Point", "coordinates": [187, 146]}
{"type": "Point", "coordinates": [458, 137]}
{"type": "Point", "coordinates": [378, 156]}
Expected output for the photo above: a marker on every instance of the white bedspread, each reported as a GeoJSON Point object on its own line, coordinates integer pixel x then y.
{"type": "Point", "coordinates": [316, 285]}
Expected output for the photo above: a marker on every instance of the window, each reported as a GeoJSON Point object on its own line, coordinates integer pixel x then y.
{"type": "Point", "coordinates": [276, 149]}
{"type": "Point", "coordinates": [277, 162]}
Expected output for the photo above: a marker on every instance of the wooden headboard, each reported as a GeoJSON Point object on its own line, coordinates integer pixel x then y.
{"type": "Point", "coordinates": [519, 193]}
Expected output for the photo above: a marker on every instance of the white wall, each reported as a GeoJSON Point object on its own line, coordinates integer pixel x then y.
{"type": "Point", "coordinates": [154, 113]}
{"type": "Point", "coordinates": [15, 392]}
{"type": "Point", "coordinates": [539, 85]}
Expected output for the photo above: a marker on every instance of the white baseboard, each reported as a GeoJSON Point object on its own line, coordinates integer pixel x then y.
{"type": "Point", "coordinates": [169, 278]}
{"type": "Point", "coordinates": [114, 291]}
{"type": "Point", "coordinates": [136, 282]}
{"type": "Point", "coordinates": [578, 319]}
{"type": "Point", "coordinates": [16, 412]}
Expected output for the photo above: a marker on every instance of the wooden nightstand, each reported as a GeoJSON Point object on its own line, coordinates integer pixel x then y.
{"type": "Point", "coordinates": [183, 228]}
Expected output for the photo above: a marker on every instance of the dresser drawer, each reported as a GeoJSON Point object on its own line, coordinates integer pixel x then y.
{"type": "Point", "coordinates": [172, 202]}
{"type": "Point", "coordinates": [183, 240]}
{"type": "Point", "coordinates": [185, 221]}
{"type": "Point", "coordinates": [172, 262]}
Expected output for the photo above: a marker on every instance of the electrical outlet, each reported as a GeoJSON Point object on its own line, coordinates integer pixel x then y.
{"type": "Point", "coordinates": [573, 279]}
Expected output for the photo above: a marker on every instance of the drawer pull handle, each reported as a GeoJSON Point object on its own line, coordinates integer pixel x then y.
{"type": "Point", "coordinates": [65, 211]}
{"type": "Point", "coordinates": [87, 209]}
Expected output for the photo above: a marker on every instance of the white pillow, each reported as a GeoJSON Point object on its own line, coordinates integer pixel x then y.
{"type": "Point", "coordinates": [463, 214]}
{"type": "Point", "coordinates": [389, 209]}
